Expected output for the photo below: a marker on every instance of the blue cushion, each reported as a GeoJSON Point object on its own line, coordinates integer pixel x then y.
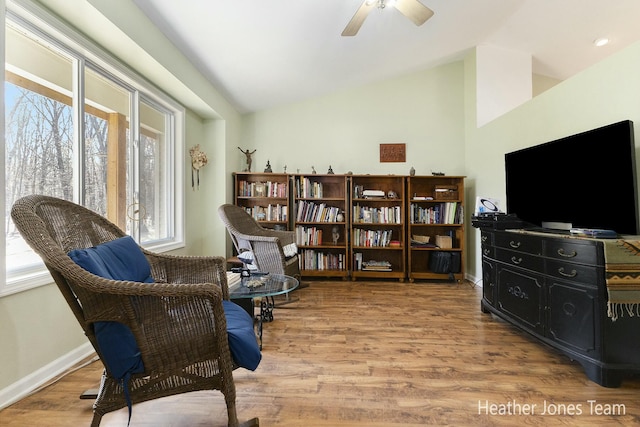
{"type": "Point", "coordinates": [119, 259]}
{"type": "Point", "coordinates": [242, 338]}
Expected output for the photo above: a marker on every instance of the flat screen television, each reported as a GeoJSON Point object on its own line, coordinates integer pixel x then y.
{"type": "Point", "coordinates": [587, 180]}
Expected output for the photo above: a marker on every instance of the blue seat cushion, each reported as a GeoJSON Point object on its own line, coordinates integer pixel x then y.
{"type": "Point", "coordinates": [243, 345]}
{"type": "Point", "coordinates": [119, 259]}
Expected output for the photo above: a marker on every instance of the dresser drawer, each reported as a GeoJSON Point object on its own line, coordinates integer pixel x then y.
{"type": "Point", "coordinates": [519, 242]}
{"type": "Point", "coordinates": [488, 251]}
{"type": "Point", "coordinates": [586, 274]}
{"type": "Point", "coordinates": [486, 238]}
{"type": "Point", "coordinates": [570, 250]}
{"type": "Point", "coordinates": [519, 259]}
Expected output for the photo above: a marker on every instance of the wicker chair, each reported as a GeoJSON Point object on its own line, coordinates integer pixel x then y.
{"type": "Point", "coordinates": [178, 322]}
{"type": "Point", "coordinates": [268, 246]}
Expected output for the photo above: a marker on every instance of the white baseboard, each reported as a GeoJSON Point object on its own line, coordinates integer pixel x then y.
{"type": "Point", "coordinates": [31, 382]}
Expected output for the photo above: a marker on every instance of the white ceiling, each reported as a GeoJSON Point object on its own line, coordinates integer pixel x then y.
{"type": "Point", "coordinates": [261, 54]}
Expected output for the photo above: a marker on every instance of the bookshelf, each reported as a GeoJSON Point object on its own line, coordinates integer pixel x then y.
{"type": "Point", "coordinates": [377, 231]}
{"type": "Point", "coordinates": [321, 224]}
{"type": "Point", "coordinates": [436, 214]}
{"type": "Point", "coordinates": [265, 196]}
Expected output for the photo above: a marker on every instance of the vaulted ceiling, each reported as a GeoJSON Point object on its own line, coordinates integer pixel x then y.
{"type": "Point", "coordinates": [261, 54]}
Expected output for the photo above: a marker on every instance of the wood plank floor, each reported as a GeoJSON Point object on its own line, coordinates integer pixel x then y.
{"type": "Point", "coordinates": [374, 354]}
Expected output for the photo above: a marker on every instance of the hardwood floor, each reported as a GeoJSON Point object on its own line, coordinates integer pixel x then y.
{"type": "Point", "coordinates": [374, 354]}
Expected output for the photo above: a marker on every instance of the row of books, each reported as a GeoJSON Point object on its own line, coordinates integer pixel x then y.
{"type": "Point", "coordinates": [316, 212]}
{"type": "Point", "coordinates": [276, 212]}
{"type": "Point", "coordinates": [307, 189]}
{"type": "Point", "coordinates": [316, 260]}
{"type": "Point", "coordinates": [377, 215]}
{"type": "Point", "coordinates": [440, 213]}
{"type": "Point", "coordinates": [370, 265]}
{"type": "Point", "coordinates": [308, 236]}
{"type": "Point", "coordinates": [371, 238]}
{"type": "Point", "coordinates": [263, 189]}
{"type": "Point", "coordinates": [376, 266]}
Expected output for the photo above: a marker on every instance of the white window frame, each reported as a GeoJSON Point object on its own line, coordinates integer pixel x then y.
{"type": "Point", "coordinates": [36, 18]}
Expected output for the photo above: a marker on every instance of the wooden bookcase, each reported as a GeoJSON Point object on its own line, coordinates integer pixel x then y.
{"type": "Point", "coordinates": [435, 212]}
{"type": "Point", "coordinates": [265, 196]}
{"type": "Point", "coordinates": [321, 224]}
{"type": "Point", "coordinates": [378, 245]}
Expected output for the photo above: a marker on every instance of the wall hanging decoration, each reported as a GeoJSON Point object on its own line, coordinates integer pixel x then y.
{"type": "Point", "coordinates": [198, 161]}
{"type": "Point", "coordinates": [393, 153]}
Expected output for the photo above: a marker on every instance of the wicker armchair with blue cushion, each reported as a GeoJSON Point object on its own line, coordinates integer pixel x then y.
{"type": "Point", "coordinates": [162, 325]}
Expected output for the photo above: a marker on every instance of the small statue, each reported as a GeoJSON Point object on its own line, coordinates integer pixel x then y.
{"type": "Point", "coordinates": [248, 154]}
{"type": "Point", "coordinates": [335, 234]}
{"type": "Point", "coordinates": [313, 170]}
{"type": "Point", "coordinates": [268, 168]}
{"type": "Point", "coordinates": [412, 171]}
{"type": "Point", "coordinates": [330, 171]}
{"type": "Point", "coordinates": [285, 168]}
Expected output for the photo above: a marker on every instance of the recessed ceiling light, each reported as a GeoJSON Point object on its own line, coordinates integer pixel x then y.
{"type": "Point", "coordinates": [601, 41]}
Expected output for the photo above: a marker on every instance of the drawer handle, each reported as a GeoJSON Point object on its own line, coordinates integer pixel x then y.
{"type": "Point", "coordinates": [571, 254]}
{"type": "Point", "coordinates": [486, 252]}
{"type": "Point", "coordinates": [572, 274]}
{"type": "Point", "coordinates": [514, 245]}
{"type": "Point", "coordinates": [515, 260]}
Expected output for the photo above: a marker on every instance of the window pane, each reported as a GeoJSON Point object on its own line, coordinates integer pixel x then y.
{"type": "Point", "coordinates": [39, 130]}
{"type": "Point", "coordinates": [154, 174]}
{"type": "Point", "coordinates": [106, 121]}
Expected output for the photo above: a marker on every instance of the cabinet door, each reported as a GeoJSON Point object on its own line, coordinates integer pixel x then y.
{"type": "Point", "coordinates": [573, 316]}
{"type": "Point", "coordinates": [520, 295]}
{"type": "Point", "coordinates": [488, 281]}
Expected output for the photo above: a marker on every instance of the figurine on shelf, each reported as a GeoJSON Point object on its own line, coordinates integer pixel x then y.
{"type": "Point", "coordinates": [267, 169]}
{"type": "Point", "coordinates": [285, 168]}
{"type": "Point", "coordinates": [313, 170]}
{"type": "Point", "coordinates": [248, 154]}
{"type": "Point", "coordinates": [412, 171]}
{"type": "Point", "coordinates": [330, 171]}
{"type": "Point", "coordinates": [335, 234]}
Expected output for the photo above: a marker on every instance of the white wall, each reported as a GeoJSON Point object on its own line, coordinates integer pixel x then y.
{"type": "Point", "coordinates": [503, 81]}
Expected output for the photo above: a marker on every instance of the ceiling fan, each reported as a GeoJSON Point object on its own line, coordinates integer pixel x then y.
{"type": "Point", "coordinates": [412, 9]}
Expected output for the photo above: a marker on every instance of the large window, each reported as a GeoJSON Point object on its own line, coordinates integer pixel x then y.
{"type": "Point", "coordinates": [82, 129]}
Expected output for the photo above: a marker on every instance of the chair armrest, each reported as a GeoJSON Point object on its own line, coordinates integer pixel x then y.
{"type": "Point", "coordinates": [174, 325]}
{"type": "Point", "coordinates": [178, 269]}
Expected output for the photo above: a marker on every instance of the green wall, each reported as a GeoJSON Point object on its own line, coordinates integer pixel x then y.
{"type": "Point", "coordinates": [604, 93]}
{"type": "Point", "coordinates": [424, 110]}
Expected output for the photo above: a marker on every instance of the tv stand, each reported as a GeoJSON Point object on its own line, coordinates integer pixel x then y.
{"type": "Point", "coordinates": [553, 287]}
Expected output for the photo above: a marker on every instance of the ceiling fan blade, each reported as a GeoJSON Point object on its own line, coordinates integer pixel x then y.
{"type": "Point", "coordinates": [414, 10]}
{"type": "Point", "coordinates": [356, 22]}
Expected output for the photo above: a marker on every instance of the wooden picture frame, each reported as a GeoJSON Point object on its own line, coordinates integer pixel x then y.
{"type": "Point", "coordinates": [396, 152]}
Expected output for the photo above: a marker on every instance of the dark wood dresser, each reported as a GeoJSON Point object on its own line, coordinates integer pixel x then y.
{"type": "Point", "coordinates": [554, 288]}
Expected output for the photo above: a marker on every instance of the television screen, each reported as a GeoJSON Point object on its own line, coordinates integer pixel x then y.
{"type": "Point", "coordinates": [586, 180]}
